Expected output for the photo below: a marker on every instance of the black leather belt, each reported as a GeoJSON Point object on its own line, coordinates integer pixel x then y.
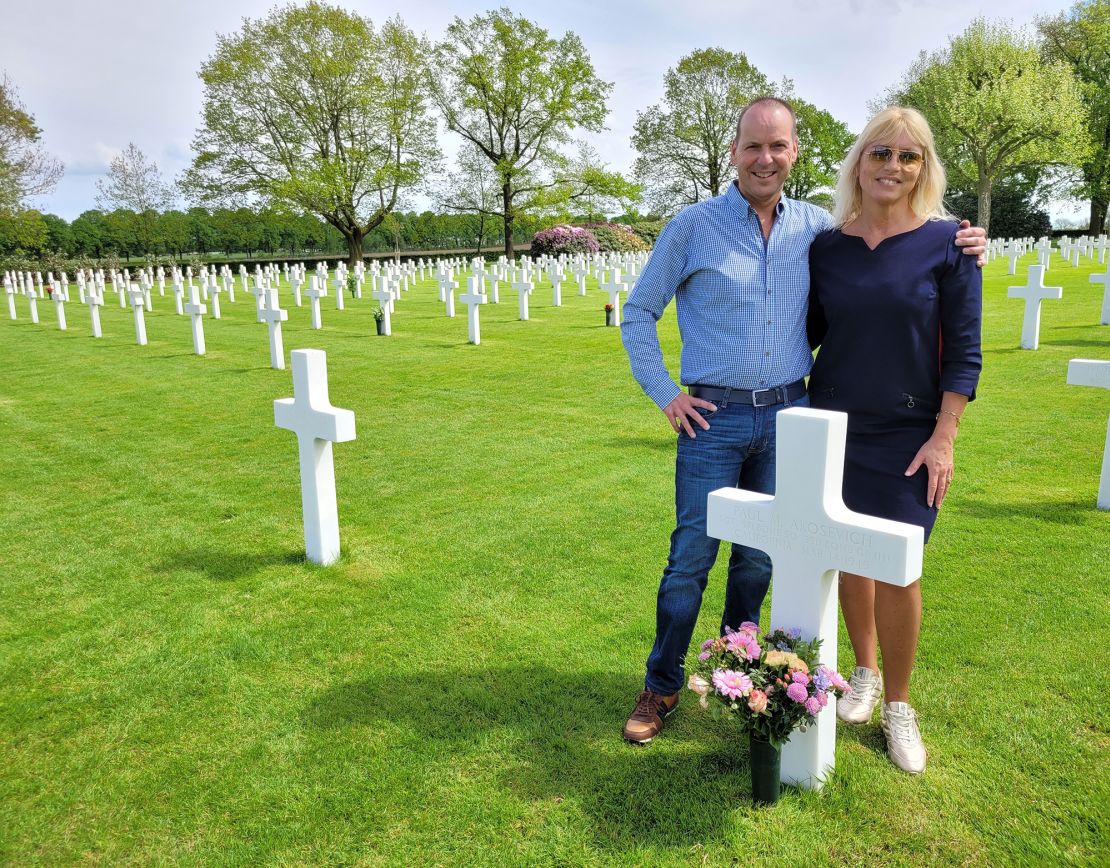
{"type": "Point", "coordinates": [756, 397]}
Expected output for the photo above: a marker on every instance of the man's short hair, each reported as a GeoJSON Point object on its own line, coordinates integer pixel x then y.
{"type": "Point", "coordinates": [777, 101]}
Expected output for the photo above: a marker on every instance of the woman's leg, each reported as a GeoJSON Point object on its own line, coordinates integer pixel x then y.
{"type": "Point", "coordinates": [897, 617]}
{"type": "Point", "coordinates": [857, 603]}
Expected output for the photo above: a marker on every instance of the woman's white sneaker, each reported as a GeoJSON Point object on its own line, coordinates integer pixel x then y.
{"type": "Point", "coordinates": [903, 737]}
{"type": "Point", "coordinates": [859, 705]}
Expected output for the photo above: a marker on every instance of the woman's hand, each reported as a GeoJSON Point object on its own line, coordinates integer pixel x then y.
{"type": "Point", "coordinates": [936, 456]}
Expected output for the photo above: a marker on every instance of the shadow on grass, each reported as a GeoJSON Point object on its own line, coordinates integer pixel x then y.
{"type": "Point", "coordinates": [225, 566]}
{"type": "Point", "coordinates": [1057, 512]}
{"type": "Point", "coordinates": [1068, 342]}
{"type": "Point", "coordinates": [566, 743]}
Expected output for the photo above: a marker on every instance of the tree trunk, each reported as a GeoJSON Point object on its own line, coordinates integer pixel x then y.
{"type": "Point", "coordinates": [1098, 215]}
{"type": "Point", "coordinates": [506, 204]}
{"type": "Point", "coordinates": [354, 238]}
{"type": "Point", "coordinates": [984, 202]}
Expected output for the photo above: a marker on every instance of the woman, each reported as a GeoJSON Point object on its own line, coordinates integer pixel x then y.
{"type": "Point", "coordinates": [896, 309]}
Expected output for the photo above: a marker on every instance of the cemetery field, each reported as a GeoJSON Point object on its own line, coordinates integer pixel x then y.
{"type": "Point", "coordinates": [177, 685]}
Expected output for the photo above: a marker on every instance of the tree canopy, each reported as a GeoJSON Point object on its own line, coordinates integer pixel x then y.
{"type": "Point", "coordinates": [1081, 38]}
{"type": "Point", "coordinates": [133, 181]}
{"type": "Point", "coordinates": [26, 169]}
{"type": "Point", "coordinates": [996, 106]}
{"type": "Point", "coordinates": [312, 109]}
{"type": "Point", "coordinates": [683, 142]}
{"type": "Point", "coordinates": [515, 94]}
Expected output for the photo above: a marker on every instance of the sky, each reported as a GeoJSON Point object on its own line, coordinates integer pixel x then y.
{"type": "Point", "coordinates": [97, 76]}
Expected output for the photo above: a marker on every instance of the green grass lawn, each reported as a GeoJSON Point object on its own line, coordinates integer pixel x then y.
{"type": "Point", "coordinates": [178, 686]}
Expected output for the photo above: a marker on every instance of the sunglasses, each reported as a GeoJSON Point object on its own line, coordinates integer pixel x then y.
{"type": "Point", "coordinates": [905, 158]}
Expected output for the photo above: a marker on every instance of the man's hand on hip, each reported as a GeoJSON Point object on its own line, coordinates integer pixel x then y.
{"type": "Point", "coordinates": [682, 409]}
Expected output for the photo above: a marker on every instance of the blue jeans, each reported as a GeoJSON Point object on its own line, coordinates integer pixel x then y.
{"type": "Point", "coordinates": [738, 450]}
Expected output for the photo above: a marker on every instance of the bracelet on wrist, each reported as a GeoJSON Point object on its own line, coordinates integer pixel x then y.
{"type": "Point", "coordinates": [955, 416]}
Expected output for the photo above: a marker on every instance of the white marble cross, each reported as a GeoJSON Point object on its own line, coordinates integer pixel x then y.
{"type": "Point", "coordinates": [448, 292]}
{"type": "Point", "coordinates": [138, 302]}
{"type": "Point", "coordinates": [178, 294]}
{"type": "Point", "coordinates": [1044, 252]}
{"type": "Point", "coordinates": [1013, 253]}
{"type": "Point", "coordinates": [1104, 279]}
{"type": "Point", "coordinates": [1089, 372]}
{"type": "Point", "coordinates": [473, 298]}
{"type": "Point", "coordinates": [9, 290]}
{"type": "Point", "coordinates": [1034, 292]}
{"type": "Point", "coordinates": [94, 300]}
{"type": "Point", "coordinates": [316, 290]}
{"type": "Point", "coordinates": [274, 316]}
{"type": "Point", "coordinates": [59, 299]}
{"type": "Point", "coordinates": [614, 288]}
{"type": "Point", "coordinates": [33, 303]}
{"type": "Point", "coordinates": [579, 270]}
{"type": "Point", "coordinates": [340, 283]}
{"type": "Point", "coordinates": [295, 285]}
{"type": "Point", "coordinates": [196, 311]}
{"type": "Point", "coordinates": [556, 276]}
{"type": "Point", "coordinates": [317, 424]}
{"type": "Point", "coordinates": [258, 290]}
{"type": "Point", "coordinates": [523, 289]}
{"type": "Point", "coordinates": [810, 534]}
{"type": "Point", "coordinates": [384, 297]}
{"type": "Point", "coordinates": [494, 285]}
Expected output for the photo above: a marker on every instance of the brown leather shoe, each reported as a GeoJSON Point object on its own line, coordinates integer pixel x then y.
{"type": "Point", "coordinates": [647, 717]}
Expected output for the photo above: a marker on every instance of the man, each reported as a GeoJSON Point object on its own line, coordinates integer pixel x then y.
{"type": "Point", "coordinates": [738, 268]}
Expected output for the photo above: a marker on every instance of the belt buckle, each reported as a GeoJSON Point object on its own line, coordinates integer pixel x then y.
{"type": "Point", "coordinates": [774, 393]}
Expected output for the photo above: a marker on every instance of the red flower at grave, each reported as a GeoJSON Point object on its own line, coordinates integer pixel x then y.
{"type": "Point", "coordinates": [608, 308]}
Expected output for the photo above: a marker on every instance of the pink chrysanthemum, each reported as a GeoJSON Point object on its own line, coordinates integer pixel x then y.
{"type": "Point", "coordinates": [731, 684]}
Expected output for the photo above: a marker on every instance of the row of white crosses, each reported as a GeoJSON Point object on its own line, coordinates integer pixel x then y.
{"type": "Point", "coordinates": [392, 278]}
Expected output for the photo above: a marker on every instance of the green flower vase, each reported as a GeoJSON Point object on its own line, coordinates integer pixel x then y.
{"type": "Point", "coordinates": [766, 762]}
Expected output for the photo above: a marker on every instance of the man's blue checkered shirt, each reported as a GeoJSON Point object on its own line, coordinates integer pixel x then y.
{"type": "Point", "coordinates": [741, 303]}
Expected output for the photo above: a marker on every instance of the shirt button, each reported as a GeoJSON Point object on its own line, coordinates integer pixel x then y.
{"type": "Point", "coordinates": [768, 322]}
{"type": "Point", "coordinates": [767, 354]}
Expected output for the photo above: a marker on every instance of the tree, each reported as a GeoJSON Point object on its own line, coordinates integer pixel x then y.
{"type": "Point", "coordinates": [1081, 38]}
{"type": "Point", "coordinates": [133, 182]}
{"type": "Point", "coordinates": [90, 233]}
{"type": "Point", "coordinates": [59, 236]}
{"type": "Point", "coordinates": [822, 143]}
{"type": "Point", "coordinates": [22, 230]}
{"type": "Point", "coordinates": [25, 168]}
{"type": "Point", "coordinates": [311, 109]}
{"type": "Point", "coordinates": [1014, 211]}
{"type": "Point", "coordinates": [515, 94]}
{"type": "Point", "coordinates": [996, 106]}
{"type": "Point", "coordinates": [683, 143]}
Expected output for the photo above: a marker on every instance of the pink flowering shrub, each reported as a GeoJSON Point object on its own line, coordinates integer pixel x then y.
{"type": "Point", "coordinates": [771, 685]}
{"type": "Point", "coordinates": [563, 239]}
{"type": "Point", "coordinates": [618, 238]}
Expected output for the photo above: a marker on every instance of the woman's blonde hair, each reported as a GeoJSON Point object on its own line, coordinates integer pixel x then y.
{"type": "Point", "coordinates": [927, 199]}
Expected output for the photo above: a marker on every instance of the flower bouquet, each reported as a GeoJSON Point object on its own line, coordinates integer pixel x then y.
{"type": "Point", "coordinates": [610, 315]}
{"type": "Point", "coordinates": [770, 686]}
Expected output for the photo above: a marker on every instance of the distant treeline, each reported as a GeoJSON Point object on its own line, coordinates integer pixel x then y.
{"type": "Point", "coordinates": [202, 232]}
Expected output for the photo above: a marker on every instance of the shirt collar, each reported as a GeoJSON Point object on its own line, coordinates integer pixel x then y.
{"type": "Point", "coordinates": [743, 207]}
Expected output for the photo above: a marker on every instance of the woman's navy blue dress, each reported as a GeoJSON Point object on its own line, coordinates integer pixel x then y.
{"type": "Point", "coordinates": [897, 326]}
